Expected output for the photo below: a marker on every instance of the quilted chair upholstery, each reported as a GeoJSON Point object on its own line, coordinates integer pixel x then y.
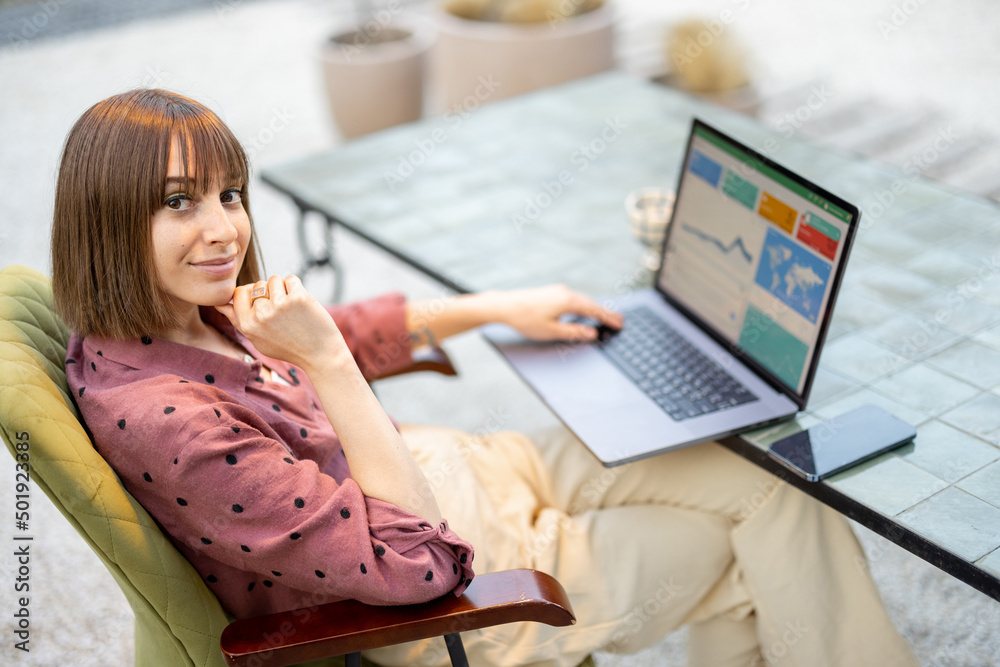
{"type": "Point", "coordinates": [178, 621]}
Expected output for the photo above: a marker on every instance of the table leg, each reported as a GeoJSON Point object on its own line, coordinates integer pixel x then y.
{"type": "Point", "coordinates": [326, 256]}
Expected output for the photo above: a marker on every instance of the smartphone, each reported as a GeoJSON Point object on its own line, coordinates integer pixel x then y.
{"type": "Point", "coordinates": [844, 441]}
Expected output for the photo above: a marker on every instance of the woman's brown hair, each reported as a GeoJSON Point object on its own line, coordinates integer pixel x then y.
{"type": "Point", "coordinates": [111, 181]}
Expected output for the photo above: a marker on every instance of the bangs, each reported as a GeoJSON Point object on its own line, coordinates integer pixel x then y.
{"type": "Point", "coordinates": [207, 148]}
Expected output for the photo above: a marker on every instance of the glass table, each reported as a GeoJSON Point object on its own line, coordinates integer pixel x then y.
{"type": "Point", "coordinates": [530, 190]}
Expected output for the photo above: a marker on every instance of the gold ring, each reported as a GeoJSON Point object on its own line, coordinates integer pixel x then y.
{"type": "Point", "coordinates": [258, 292]}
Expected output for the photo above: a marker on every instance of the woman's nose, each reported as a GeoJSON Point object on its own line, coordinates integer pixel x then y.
{"type": "Point", "coordinates": [219, 227]}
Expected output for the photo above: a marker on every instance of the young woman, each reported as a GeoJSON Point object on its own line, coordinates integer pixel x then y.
{"type": "Point", "coordinates": [238, 412]}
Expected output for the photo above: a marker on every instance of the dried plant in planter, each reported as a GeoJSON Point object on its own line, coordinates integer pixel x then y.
{"type": "Point", "coordinates": [706, 60]}
{"type": "Point", "coordinates": [520, 11]}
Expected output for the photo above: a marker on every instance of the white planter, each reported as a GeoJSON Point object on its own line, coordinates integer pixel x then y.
{"type": "Point", "coordinates": [517, 58]}
{"type": "Point", "coordinates": [372, 86]}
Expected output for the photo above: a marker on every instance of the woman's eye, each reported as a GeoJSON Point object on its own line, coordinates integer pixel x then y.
{"type": "Point", "coordinates": [178, 202]}
{"type": "Point", "coordinates": [232, 196]}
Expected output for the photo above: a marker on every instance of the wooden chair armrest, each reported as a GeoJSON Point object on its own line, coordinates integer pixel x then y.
{"type": "Point", "coordinates": [347, 626]}
{"type": "Point", "coordinates": [426, 359]}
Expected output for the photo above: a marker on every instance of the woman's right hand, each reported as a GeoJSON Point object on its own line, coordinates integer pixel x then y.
{"type": "Point", "coordinates": [288, 324]}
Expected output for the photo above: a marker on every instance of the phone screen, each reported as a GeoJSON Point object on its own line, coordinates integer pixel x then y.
{"type": "Point", "coordinates": [841, 442]}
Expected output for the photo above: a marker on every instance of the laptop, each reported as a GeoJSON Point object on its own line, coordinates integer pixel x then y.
{"type": "Point", "coordinates": [729, 337]}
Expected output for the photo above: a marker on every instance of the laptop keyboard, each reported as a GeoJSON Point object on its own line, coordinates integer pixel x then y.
{"type": "Point", "coordinates": [682, 379]}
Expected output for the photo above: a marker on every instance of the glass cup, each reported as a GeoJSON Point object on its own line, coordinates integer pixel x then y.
{"type": "Point", "coordinates": [649, 210]}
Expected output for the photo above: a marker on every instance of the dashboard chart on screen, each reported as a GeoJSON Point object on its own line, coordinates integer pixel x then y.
{"type": "Point", "coordinates": [759, 262]}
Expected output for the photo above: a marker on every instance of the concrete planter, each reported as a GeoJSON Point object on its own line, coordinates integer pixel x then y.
{"type": "Point", "coordinates": [517, 57]}
{"type": "Point", "coordinates": [375, 84]}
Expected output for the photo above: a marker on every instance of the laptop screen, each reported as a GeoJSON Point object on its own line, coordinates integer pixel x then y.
{"type": "Point", "coordinates": [753, 253]}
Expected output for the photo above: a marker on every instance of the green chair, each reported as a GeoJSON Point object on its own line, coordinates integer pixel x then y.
{"type": "Point", "coordinates": [178, 621]}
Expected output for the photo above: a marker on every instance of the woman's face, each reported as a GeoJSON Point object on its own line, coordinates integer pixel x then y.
{"type": "Point", "coordinates": [199, 239]}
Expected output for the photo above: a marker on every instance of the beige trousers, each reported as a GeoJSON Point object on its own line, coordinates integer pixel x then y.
{"type": "Point", "coordinates": [762, 572]}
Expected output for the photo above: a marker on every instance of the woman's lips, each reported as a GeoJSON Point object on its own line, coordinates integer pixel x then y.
{"type": "Point", "coordinates": [222, 266]}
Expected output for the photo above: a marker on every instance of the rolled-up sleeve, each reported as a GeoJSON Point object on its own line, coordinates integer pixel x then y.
{"type": "Point", "coordinates": [375, 332]}
{"type": "Point", "coordinates": [224, 486]}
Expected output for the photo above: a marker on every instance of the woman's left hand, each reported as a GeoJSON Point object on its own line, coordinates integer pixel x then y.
{"type": "Point", "coordinates": [538, 313]}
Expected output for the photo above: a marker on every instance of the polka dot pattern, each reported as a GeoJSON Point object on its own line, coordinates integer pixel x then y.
{"type": "Point", "coordinates": [283, 416]}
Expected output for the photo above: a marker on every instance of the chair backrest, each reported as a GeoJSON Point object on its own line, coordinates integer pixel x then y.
{"type": "Point", "coordinates": [178, 620]}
